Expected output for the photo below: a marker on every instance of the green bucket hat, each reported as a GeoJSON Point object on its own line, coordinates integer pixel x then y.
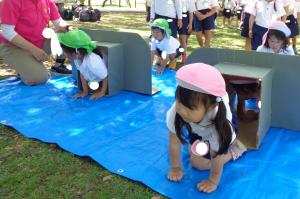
{"type": "Point", "coordinates": [77, 39]}
{"type": "Point", "coordinates": [162, 24]}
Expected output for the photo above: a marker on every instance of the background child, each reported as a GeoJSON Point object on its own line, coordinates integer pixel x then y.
{"type": "Point", "coordinates": [148, 10]}
{"type": "Point", "coordinates": [290, 7]}
{"type": "Point", "coordinates": [171, 10]}
{"type": "Point", "coordinates": [245, 16]}
{"type": "Point", "coordinates": [202, 108]}
{"type": "Point", "coordinates": [79, 48]}
{"type": "Point", "coordinates": [228, 9]}
{"type": "Point", "coordinates": [163, 45]}
{"type": "Point", "coordinates": [188, 7]}
{"type": "Point", "coordinates": [204, 20]}
{"type": "Point", "coordinates": [263, 12]}
{"type": "Point", "coordinates": [276, 39]}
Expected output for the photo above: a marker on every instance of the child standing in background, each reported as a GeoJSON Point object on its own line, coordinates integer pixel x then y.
{"type": "Point", "coordinates": [202, 107]}
{"type": "Point", "coordinates": [148, 10]}
{"type": "Point", "coordinates": [204, 20]}
{"type": "Point", "coordinates": [79, 48]}
{"type": "Point", "coordinates": [171, 10]}
{"type": "Point", "coordinates": [228, 9]}
{"type": "Point", "coordinates": [163, 45]}
{"type": "Point", "coordinates": [245, 16]}
{"type": "Point", "coordinates": [188, 7]}
{"type": "Point", "coordinates": [291, 20]}
{"type": "Point", "coordinates": [263, 12]}
{"type": "Point", "coordinates": [276, 40]}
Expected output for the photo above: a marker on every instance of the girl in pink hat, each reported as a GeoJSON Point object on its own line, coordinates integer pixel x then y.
{"type": "Point", "coordinates": [202, 107]}
{"type": "Point", "coordinates": [276, 39]}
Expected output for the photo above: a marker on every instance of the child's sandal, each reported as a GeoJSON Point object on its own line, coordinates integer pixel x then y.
{"type": "Point", "coordinates": [237, 149]}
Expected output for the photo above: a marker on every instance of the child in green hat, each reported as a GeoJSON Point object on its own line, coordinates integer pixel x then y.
{"type": "Point", "coordinates": [164, 46]}
{"type": "Point", "coordinates": [79, 48]}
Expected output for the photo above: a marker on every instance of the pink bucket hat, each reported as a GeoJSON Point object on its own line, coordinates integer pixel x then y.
{"type": "Point", "coordinates": [277, 25]}
{"type": "Point", "coordinates": [201, 78]}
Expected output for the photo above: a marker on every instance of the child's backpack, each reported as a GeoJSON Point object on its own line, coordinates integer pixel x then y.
{"type": "Point", "coordinates": [84, 15]}
{"type": "Point", "coordinates": [66, 14]}
{"type": "Point", "coordinates": [77, 9]}
{"type": "Point", "coordinates": [95, 14]}
{"type": "Point", "coordinates": [89, 14]}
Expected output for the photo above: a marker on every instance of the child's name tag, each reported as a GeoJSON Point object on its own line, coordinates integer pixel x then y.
{"type": "Point", "coordinates": [184, 15]}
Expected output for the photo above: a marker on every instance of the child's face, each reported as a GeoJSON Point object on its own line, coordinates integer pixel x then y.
{"type": "Point", "coordinates": [189, 115]}
{"type": "Point", "coordinates": [157, 34]}
{"type": "Point", "coordinates": [275, 43]}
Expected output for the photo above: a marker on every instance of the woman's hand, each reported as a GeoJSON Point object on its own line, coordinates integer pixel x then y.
{"type": "Point", "coordinates": [207, 186]}
{"type": "Point", "coordinates": [39, 54]}
{"type": "Point", "coordinates": [175, 174]}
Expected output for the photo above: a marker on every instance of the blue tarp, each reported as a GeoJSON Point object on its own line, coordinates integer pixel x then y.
{"type": "Point", "coordinates": [127, 135]}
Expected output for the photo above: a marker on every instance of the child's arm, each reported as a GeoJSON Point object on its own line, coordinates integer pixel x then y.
{"type": "Point", "coordinates": [251, 22]}
{"type": "Point", "coordinates": [175, 173]}
{"type": "Point", "coordinates": [85, 88]}
{"type": "Point", "coordinates": [162, 65]}
{"type": "Point", "coordinates": [101, 91]}
{"type": "Point", "coordinates": [190, 26]}
{"type": "Point", "coordinates": [209, 185]}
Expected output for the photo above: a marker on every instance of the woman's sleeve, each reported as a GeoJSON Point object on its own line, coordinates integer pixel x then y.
{"type": "Point", "coordinates": [54, 14]}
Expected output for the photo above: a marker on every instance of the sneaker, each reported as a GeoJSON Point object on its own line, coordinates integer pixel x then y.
{"type": "Point", "coordinates": [237, 148]}
{"type": "Point", "coordinates": [60, 70]}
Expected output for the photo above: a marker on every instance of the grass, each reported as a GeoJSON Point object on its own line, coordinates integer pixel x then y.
{"type": "Point", "coordinates": [32, 169]}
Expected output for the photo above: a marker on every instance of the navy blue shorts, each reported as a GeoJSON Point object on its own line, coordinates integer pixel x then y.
{"type": "Point", "coordinates": [178, 53]}
{"type": "Point", "coordinates": [239, 13]}
{"type": "Point", "coordinates": [293, 25]}
{"type": "Point", "coordinates": [245, 27]}
{"type": "Point", "coordinates": [257, 33]}
{"type": "Point", "coordinates": [227, 13]}
{"type": "Point", "coordinates": [206, 24]}
{"type": "Point", "coordinates": [172, 24]}
{"type": "Point", "coordinates": [185, 23]}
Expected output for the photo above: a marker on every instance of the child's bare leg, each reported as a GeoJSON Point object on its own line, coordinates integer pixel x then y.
{"type": "Point", "coordinates": [208, 36]}
{"type": "Point", "coordinates": [199, 38]}
{"type": "Point", "coordinates": [248, 44]}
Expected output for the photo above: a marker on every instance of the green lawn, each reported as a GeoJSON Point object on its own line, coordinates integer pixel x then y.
{"type": "Point", "coordinates": [32, 169]}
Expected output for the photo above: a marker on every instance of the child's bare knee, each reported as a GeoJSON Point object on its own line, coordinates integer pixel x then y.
{"type": "Point", "coordinates": [200, 164]}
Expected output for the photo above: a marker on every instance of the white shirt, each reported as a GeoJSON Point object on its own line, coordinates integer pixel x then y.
{"type": "Point", "coordinates": [188, 6]}
{"type": "Point", "coordinates": [290, 4]}
{"type": "Point", "coordinates": [168, 44]}
{"type": "Point", "coordinates": [288, 51]}
{"type": "Point", "coordinates": [168, 8]}
{"type": "Point", "coordinates": [229, 4]}
{"type": "Point", "coordinates": [92, 67]}
{"type": "Point", "coordinates": [206, 128]}
{"type": "Point", "coordinates": [264, 12]}
{"type": "Point", "coordinates": [206, 4]}
{"type": "Point", "coordinates": [148, 3]}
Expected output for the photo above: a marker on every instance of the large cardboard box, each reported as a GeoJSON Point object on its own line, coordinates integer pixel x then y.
{"type": "Point", "coordinates": [279, 94]}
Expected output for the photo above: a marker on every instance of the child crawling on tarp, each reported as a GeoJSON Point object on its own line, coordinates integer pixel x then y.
{"type": "Point", "coordinates": [79, 48]}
